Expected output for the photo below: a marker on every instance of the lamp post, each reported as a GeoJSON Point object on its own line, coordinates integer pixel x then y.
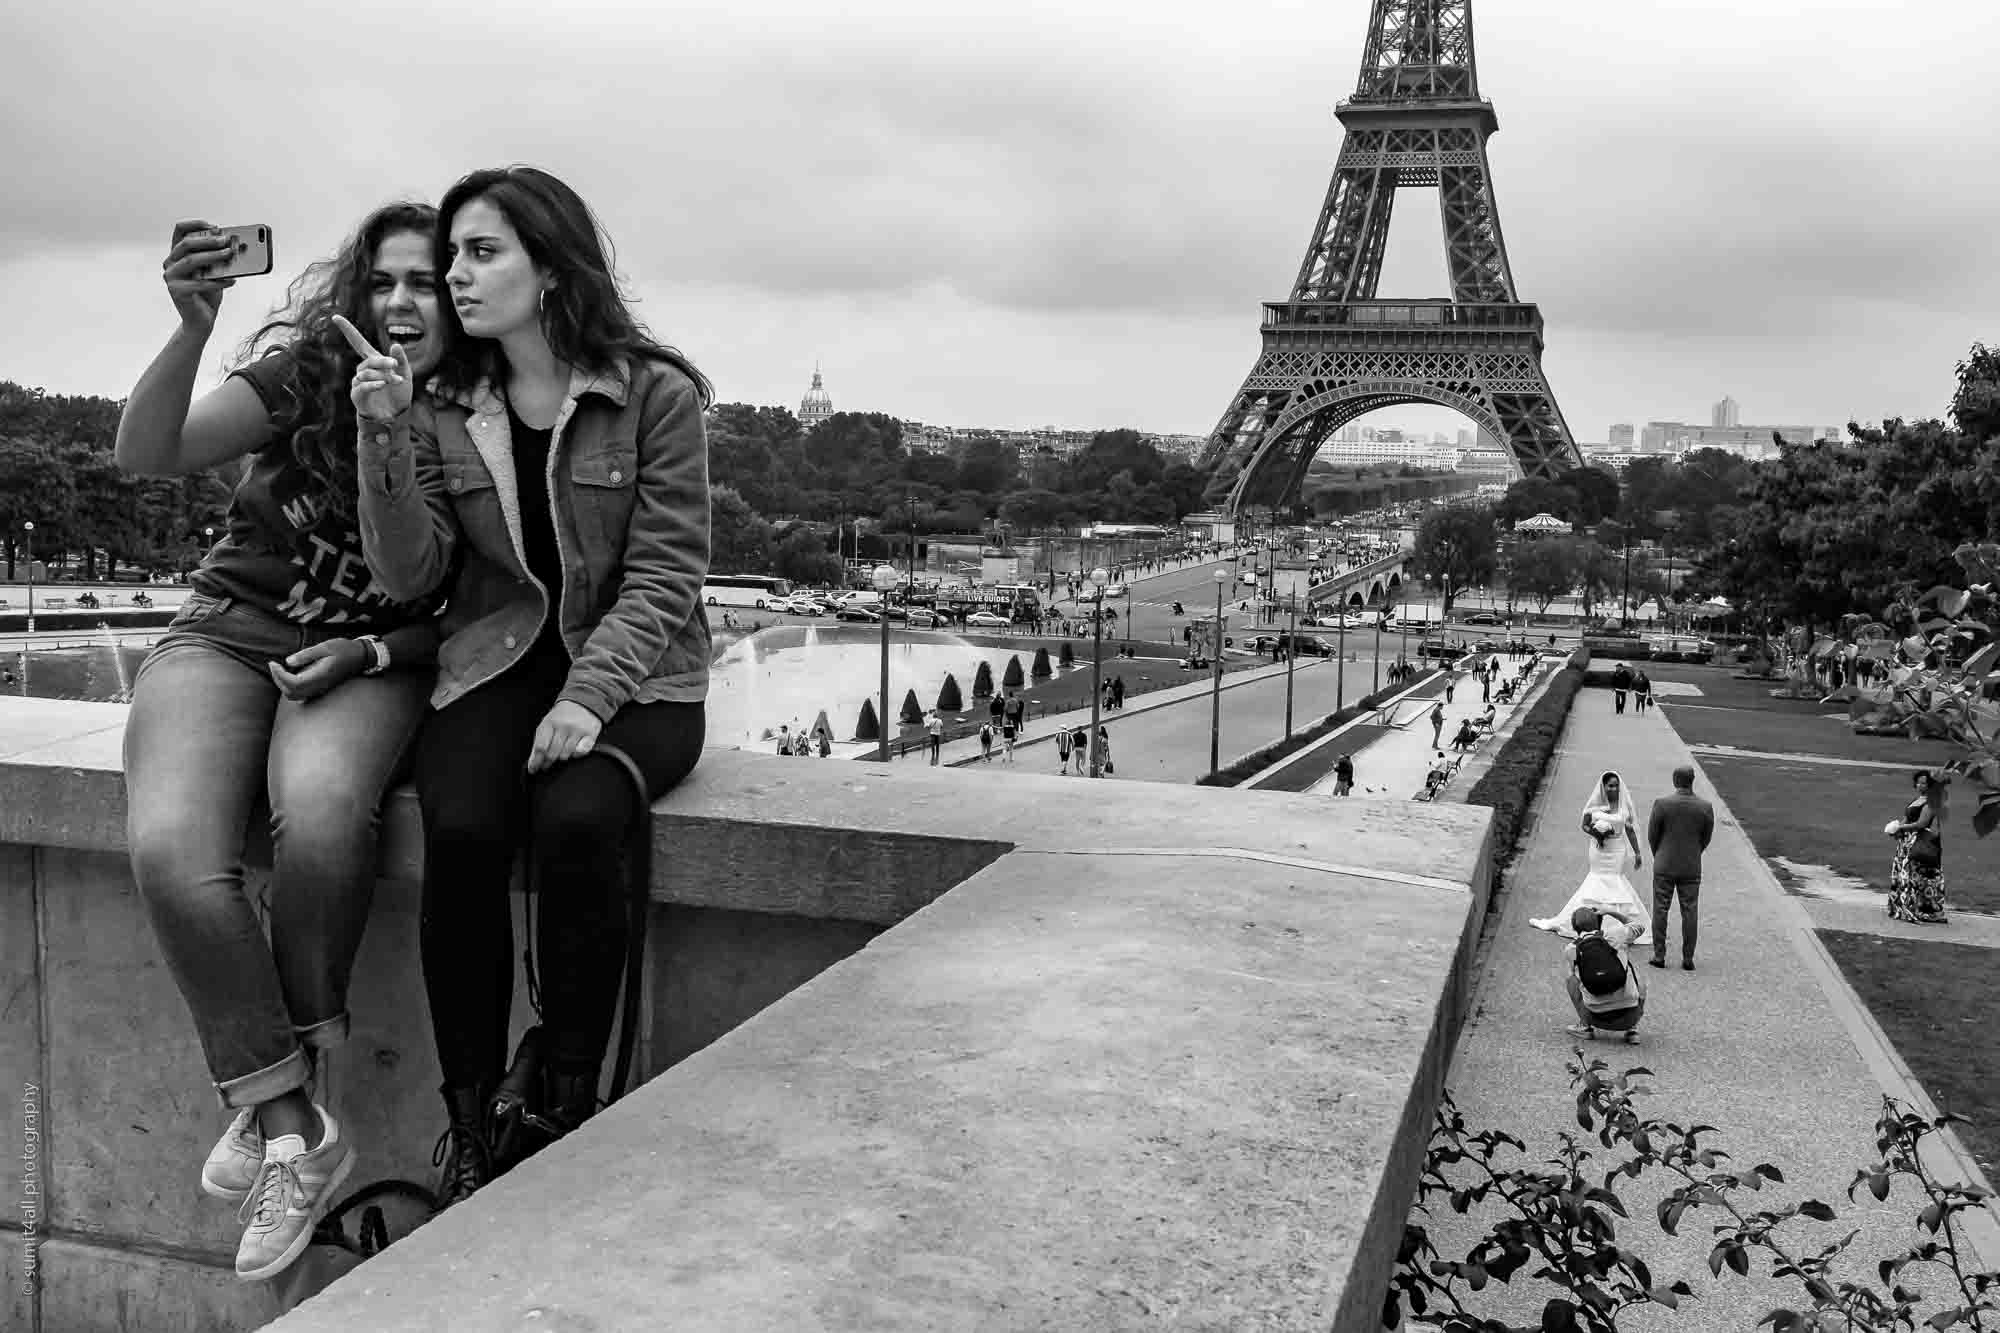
{"type": "Point", "coordinates": [910, 502]}
{"type": "Point", "coordinates": [1340, 667]}
{"type": "Point", "coordinates": [1099, 577]}
{"type": "Point", "coordinates": [1215, 687]}
{"type": "Point", "coordinates": [28, 541]}
{"type": "Point", "coordinates": [1379, 615]}
{"type": "Point", "coordinates": [1291, 657]}
{"type": "Point", "coordinates": [884, 578]}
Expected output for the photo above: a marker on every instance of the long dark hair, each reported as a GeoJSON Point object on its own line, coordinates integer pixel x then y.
{"type": "Point", "coordinates": [586, 317]}
{"type": "Point", "coordinates": [319, 417]}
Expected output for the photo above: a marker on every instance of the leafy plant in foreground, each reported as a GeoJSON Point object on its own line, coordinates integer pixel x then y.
{"type": "Point", "coordinates": [1561, 1220]}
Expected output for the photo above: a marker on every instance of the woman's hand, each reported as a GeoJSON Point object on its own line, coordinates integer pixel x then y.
{"type": "Point", "coordinates": [311, 672]}
{"type": "Point", "coordinates": [383, 386]}
{"type": "Point", "coordinates": [568, 731]}
{"type": "Point", "coordinates": [197, 298]}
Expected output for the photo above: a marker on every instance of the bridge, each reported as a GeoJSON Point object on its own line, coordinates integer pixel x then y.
{"type": "Point", "coordinates": [1364, 585]}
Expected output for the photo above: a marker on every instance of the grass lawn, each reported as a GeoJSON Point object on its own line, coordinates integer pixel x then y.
{"type": "Point", "coordinates": [1937, 1003]}
{"type": "Point", "coordinates": [1304, 772]}
{"type": "Point", "coordinates": [1742, 714]}
{"type": "Point", "coordinates": [1823, 815]}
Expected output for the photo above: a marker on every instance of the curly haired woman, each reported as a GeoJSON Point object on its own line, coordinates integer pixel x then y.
{"type": "Point", "coordinates": [1916, 876]}
{"type": "Point", "coordinates": [289, 673]}
{"type": "Point", "coordinates": [563, 501]}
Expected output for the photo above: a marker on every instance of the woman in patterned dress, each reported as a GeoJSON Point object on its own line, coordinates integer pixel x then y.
{"type": "Point", "coordinates": [1916, 876]}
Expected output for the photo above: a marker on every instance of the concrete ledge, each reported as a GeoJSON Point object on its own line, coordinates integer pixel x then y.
{"type": "Point", "coordinates": [1170, 1057]}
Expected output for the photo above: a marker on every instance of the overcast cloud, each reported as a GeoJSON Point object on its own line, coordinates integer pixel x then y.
{"type": "Point", "coordinates": [1046, 213]}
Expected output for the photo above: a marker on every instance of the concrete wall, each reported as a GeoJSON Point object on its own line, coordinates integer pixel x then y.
{"type": "Point", "coordinates": [1168, 1054]}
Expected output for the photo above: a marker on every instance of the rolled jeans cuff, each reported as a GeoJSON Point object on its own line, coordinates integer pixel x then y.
{"type": "Point", "coordinates": [266, 1084]}
{"type": "Point", "coordinates": [324, 1034]}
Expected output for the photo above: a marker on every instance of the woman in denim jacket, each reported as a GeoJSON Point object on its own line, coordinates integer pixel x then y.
{"type": "Point", "coordinates": [560, 491]}
{"type": "Point", "coordinates": [290, 674]}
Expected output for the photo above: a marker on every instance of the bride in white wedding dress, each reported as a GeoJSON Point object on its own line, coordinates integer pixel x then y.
{"type": "Point", "coordinates": [1612, 827]}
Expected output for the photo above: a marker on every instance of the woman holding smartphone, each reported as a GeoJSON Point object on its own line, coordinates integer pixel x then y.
{"type": "Point", "coordinates": [563, 503]}
{"type": "Point", "coordinates": [289, 673]}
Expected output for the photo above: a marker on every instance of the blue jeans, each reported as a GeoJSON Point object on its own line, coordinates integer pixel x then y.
{"type": "Point", "coordinates": [208, 735]}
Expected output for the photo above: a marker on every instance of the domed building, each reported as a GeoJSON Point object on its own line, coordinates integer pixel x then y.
{"type": "Point", "coordinates": [816, 406]}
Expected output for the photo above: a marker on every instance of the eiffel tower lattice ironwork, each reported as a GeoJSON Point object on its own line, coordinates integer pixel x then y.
{"type": "Point", "coordinates": [1333, 351]}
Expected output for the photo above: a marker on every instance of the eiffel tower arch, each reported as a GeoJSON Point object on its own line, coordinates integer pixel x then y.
{"type": "Point", "coordinates": [1333, 351]}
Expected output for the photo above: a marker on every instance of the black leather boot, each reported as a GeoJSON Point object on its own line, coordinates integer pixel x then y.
{"type": "Point", "coordinates": [462, 1156]}
{"type": "Point", "coordinates": [515, 1116]}
{"type": "Point", "coordinates": [572, 1096]}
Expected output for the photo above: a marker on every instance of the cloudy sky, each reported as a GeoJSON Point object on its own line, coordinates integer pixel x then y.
{"type": "Point", "coordinates": [1045, 212]}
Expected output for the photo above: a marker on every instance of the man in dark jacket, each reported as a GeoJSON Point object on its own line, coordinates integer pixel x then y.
{"type": "Point", "coordinates": [1678, 833]}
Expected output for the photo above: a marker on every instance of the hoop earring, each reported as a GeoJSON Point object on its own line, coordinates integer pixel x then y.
{"type": "Point", "coordinates": [542, 303]}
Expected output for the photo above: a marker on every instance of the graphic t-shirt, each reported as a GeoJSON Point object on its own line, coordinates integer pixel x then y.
{"type": "Point", "coordinates": [286, 551]}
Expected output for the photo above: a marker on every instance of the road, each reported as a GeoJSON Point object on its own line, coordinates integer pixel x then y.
{"type": "Point", "coordinates": [1172, 744]}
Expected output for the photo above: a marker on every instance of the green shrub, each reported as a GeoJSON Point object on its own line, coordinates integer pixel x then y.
{"type": "Point", "coordinates": [1068, 657]}
{"type": "Point", "coordinates": [949, 700]}
{"type": "Point", "coordinates": [1011, 677]}
{"type": "Point", "coordinates": [867, 727]}
{"type": "Point", "coordinates": [1508, 787]}
{"type": "Point", "coordinates": [1042, 670]}
{"type": "Point", "coordinates": [913, 712]}
{"type": "Point", "coordinates": [982, 682]}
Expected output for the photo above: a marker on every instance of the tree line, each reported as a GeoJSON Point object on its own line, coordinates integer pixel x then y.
{"type": "Point", "coordinates": [1822, 531]}
{"type": "Point", "coordinates": [57, 472]}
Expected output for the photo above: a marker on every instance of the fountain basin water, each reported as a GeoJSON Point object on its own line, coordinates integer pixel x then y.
{"type": "Point", "coordinates": [789, 675]}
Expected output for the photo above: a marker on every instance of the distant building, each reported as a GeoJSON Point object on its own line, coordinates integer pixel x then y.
{"type": "Point", "coordinates": [1622, 438]}
{"type": "Point", "coordinates": [816, 406]}
{"type": "Point", "coordinates": [1725, 414]}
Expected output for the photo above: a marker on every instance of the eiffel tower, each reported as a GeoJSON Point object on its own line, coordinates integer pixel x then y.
{"type": "Point", "coordinates": [1333, 351]}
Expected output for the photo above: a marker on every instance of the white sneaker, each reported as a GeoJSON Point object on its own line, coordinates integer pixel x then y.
{"type": "Point", "coordinates": [292, 1190]}
{"type": "Point", "coordinates": [236, 1158]}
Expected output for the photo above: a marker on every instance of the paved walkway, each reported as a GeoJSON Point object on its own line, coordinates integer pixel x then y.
{"type": "Point", "coordinates": [1764, 1041]}
{"type": "Point", "coordinates": [1397, 763]}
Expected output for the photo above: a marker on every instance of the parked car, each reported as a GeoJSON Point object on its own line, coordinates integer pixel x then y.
{"type": "Point", "coordinates": [1308, 646]}
{"type": "Point", "coordinates": [800, 604]}
{"type": "Point", "coordinates": [1484, 618]}
{"type": "Point", "coordinates": [922, 619]}
{"type": "Point", "coordinates": [865, 614]}
{"type": "Point", "coordinates": [987, 620]}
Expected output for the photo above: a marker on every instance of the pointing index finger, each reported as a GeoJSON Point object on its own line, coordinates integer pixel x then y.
{"type": "Point", "coordinates": [353, 335]}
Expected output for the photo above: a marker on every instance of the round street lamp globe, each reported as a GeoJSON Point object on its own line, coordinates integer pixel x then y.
{"type": "Point", "coordinates": [884, 578]}
{"type": "Point", "coordinates": [1100, 576]}
{"type": "Point", "coordinates": [1221, 574]}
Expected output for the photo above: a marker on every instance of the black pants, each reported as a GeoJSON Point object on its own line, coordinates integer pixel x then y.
{"type": "Point", "coordinates": [478, 802]}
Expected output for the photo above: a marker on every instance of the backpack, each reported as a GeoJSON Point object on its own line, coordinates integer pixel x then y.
{"type": "Point", "coordinates": [1598, 966]}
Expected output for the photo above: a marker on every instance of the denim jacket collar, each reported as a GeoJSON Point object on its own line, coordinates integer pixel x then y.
{"type": "Point", "coordinates": [614, 384]}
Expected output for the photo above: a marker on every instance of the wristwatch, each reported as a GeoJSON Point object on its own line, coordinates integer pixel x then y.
{"type": "Point", "coordinates": [378, 655]}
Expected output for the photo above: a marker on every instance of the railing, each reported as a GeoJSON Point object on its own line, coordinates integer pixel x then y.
{"type": "Point", "coordinates": [1400, 314]}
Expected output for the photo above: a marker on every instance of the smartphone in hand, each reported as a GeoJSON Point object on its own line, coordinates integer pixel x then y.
{"type": "Point", "coordinates": [250, 253]}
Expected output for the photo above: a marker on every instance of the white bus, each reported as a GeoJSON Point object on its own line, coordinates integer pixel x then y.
{"type": "Point", "coordinates": [758, 590]}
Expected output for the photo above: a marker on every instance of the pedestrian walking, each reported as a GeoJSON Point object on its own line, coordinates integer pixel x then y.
{"type": "Point", "coordinates": [1062, 750]}
{"type": "Point", "coordinates": [1437, 724]}
{"type": "Point", "coordinates": [1104, 752]}
{"type": "Point", "coordinates": [1678, 831]}
{"type": "Point", "coordinates": [1016, 713]}
{"type": "Point", "coordinates": [1621, 684]}
{"type": "Point", "coordinates": [825, 743]}
{"type": "Point", "coordinates": [986, 741]}
{"type": "Point", "coordinates": [1642, 691]}
{"type": "Point", "coordinates": [1485, 684]}
{"type": "Point", "coordinates": [934, 728]}
{"type": "Point", "coordinates": [1008, 733]}
{"type": "Point", "coordinates": [785, 739]}
{"type": "Point", "coordinates": [1343, 775]}
{"type": "Point", "coordinates": [1118, 692]}
{"type": "Point", "coordinates": [1079, 749]}
{"type": "Point", "coordinates": [1450, 683]}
